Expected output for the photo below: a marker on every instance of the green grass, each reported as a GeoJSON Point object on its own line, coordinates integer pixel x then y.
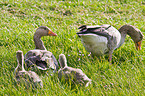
{"type": "Point", "coordinates": [20, 19]}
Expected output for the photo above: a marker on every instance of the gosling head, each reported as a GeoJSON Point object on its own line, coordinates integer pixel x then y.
{"type": "Point", "coordinates": [62, 61]}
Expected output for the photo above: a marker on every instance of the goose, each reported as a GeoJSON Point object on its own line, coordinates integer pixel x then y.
{"type": "Point", "coordinates": [26, 77]}
{"type": "Point", "coordinates": [40, 57]}
{"type": "Point", "coordinates": [71, 74]}
{"type": "Point", "coordinates": [102, 39]}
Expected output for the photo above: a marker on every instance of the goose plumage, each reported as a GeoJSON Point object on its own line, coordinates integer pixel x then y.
{"type": "Point", "coordinates": [76, 76]}
{"type": "Point", "coordinates": [40, 57]}
{"type": "Point", "coordinates": [26, 77]}
{"type": "Point", "coordinates": [102, 39]}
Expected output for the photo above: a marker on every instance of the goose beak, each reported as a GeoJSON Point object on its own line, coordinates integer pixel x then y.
{"type": "Point", "coordinates": [138, 45]}
{"type": "Point", "coordinates": [50, 33]}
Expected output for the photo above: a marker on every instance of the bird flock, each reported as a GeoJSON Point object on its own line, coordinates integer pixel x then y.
{"type": "Point", "coordinates": [98, 40]}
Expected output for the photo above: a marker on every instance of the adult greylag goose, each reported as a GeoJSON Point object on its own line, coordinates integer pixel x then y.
{"type": "Point", "coordinates": [67, 74]}
{"type": "Point", "coordinates": [26, 77]}
{"type": "Point", "coordinates": [105, 38]}
{"type": "Point", "coordinates": [40, 57]}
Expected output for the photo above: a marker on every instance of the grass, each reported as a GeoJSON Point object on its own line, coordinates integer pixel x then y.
{"type": "Point", "coordinates": [20, 19]}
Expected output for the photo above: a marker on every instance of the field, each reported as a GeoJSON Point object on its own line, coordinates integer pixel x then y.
{"type": "Point", "coordinates": [20, 19]}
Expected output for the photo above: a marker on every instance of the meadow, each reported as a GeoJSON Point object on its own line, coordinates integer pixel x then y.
{"type": "Point", "coordinates": [20, 19]}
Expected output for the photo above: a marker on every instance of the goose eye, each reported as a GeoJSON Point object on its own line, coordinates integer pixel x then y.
{"type": "Point", "coordinates": [141, 37]}
{"type": "Point", "coordinates": [44, 28]}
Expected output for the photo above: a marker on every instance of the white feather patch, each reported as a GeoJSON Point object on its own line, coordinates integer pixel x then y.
{"type": "Point", "coordinates": [94, 43]}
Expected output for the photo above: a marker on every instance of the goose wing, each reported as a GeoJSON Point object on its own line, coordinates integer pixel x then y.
{"type": "Point", "coordinates": [43, 59]}
{"type": "Point", "coordinates": [98, 30]}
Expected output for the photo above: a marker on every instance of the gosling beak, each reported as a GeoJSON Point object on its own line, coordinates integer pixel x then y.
{"type": "Point", "coordinates": [50, 33]}
{"type": "Point", "coordinates": [138, 45]}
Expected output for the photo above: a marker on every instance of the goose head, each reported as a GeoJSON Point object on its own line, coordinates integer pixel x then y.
{"type": "Point", "coordinates": [134, 33]}
{"type": "Point", "coordinates": [137, 38]}
{"type": "Point", "coordinates": [42, 31]}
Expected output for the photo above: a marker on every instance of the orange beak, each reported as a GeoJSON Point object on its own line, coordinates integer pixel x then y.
{"type": "Point", "coordinates": [50, 33]}
{"type": "Point", "coordinates": [138, 45]}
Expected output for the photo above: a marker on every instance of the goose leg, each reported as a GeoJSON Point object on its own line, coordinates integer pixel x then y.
{"type": "Point", "coordinates": [111, 45]}
{"type": "Point", "coordinates": [110, 55]}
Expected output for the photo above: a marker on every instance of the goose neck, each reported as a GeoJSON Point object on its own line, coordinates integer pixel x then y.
{"type": "Point", "coordinates": [125, 29]}
{"type": "Point", "coordinates": [38, 42]}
